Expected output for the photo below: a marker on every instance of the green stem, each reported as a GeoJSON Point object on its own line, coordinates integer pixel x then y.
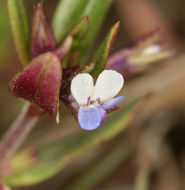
{"type": "Point", "coordinates": [142, 178]}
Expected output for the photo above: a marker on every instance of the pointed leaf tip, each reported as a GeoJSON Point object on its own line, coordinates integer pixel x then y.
{"type": "Point", "coordinates": [101, 55]}
{"type": "Point", "coordinates": [40, 83]}
{"type": "Point", "coordinates": [42, 37]}
{"type": "Point", "coordinates": [65, 47]}
{"type": "Point", "coordinates": [78, 31]}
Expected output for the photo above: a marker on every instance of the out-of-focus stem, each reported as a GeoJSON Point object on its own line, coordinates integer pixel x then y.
{"type": "Point", "coordinates": [17, 133]}
{"type": "Point", "coordinates": [3, 187]}
{"type": "Point", "coordinates": [142, 178]}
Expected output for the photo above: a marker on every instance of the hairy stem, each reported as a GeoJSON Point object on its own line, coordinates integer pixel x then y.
{"type": "Point", "coordinates": [17, 133]}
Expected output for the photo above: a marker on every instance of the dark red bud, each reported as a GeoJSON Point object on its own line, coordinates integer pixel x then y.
{"type": "Point", "coordinates": [42, 37]}
{"type": "Point", "coordinates": [40, 83]}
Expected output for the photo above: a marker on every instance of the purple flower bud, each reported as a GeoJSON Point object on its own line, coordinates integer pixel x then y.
{"type": "Point", "coordinates": [139, 56]}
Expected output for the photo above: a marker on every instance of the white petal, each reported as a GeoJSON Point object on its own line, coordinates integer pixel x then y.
{"type": "Point", "coordinates": [81, 88]}
{"type": "Point", "coordinates": [108, 84]}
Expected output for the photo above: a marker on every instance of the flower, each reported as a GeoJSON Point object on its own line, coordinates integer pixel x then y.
{"type": "Point", "coordinates": [91, 100]}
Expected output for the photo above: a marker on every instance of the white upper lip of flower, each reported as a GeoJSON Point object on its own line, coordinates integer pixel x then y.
{"type": "Point", "coordinates": [108, 85]}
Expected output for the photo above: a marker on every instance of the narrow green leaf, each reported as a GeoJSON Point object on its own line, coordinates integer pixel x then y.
{"type": "Point", "coordinates": [89, 67]}
{"type": "Point", "coordinates": [101, 55]}
{"type": "Point", "coordinates": [53, 157]}
{"type": "Point", "coordinates": [96, 11]}
{"type": "Point", "coordinates": [78, 32]}
{"type": "Point", "coordinates": [67, 14]}
{"type": "Point", "coordinates": [20, 30]}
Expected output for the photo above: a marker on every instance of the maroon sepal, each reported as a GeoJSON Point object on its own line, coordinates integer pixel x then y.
{"type": "Point", "coordinates": [40, 83]}
{"type": "Point", "coordinates": [42, 37]}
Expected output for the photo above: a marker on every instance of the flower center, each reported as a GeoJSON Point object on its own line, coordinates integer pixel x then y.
{"type": "Point", "coordinates": [91, 102]}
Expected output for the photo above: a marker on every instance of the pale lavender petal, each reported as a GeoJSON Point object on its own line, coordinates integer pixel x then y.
{"type": "Point", "coordinates": [112, 102]}
{"type": "Point", "coordinates": [89, 118]}
{"type": "Point", "coordinates": [102, 113]}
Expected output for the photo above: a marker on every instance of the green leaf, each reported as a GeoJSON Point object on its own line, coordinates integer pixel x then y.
{"type": "Point", "coordinates": [69, 12]}
{"type": "Point", "coordinates": [53, 157]}
{"type": "Point", "coordinates": [89, 67]}
{"type": "Point", "coordinates": [77, 33]}
{"type": "Point", "coordinates": [101, 55]}
{"type": "Point", "coordinates": [96, 10]}
{"type": "Point", "coordinates": [20, 30]}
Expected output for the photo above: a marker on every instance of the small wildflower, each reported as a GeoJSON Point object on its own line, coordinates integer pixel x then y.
{"type": "Point", "coordinates": [91, 100]}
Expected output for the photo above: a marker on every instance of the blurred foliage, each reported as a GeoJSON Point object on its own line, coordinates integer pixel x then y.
{"type": "Point", "coordinates": [101, 168]}
{"type": "Point", "coordinates": [4, 30]}
{"type": "Point", "coordinates": [53, 157]}
{"type": "Point", "coordinates": [34, 164]}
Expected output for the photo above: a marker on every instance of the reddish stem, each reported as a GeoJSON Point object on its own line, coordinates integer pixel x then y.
{"type": "Point", "coordinates": [3, 187]}
{"type": "Point", "coordinates": [17, 133]}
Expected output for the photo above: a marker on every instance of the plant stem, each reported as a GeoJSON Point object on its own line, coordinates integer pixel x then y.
{"type": "Point", "coordinates": [17, 133]}
{"type": "Point", "coordinates": [142, 178]}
